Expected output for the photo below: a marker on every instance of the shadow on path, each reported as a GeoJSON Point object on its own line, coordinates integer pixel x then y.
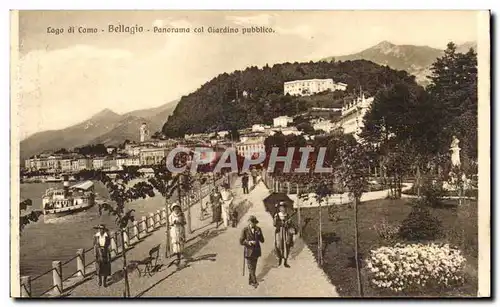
{"type": "Point", "coordinates": [271, 261]}
{"type": "Point", "coordinates": [208, 257]}
{"type": "Point", "coordinates": [189, 252]}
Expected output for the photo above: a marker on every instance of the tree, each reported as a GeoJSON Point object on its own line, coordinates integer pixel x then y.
{"type": "Point", "coordinates": [454, 89]}
{"type": "Point", "coordinates": [166, 184]}
{"type": "Point", "coordinates": [25, 219]}
{"type": "Point", "coordinates": [403, 128]}
{"type": "Point", "coordinates": [121, 192]}
{"type": "Point", "coordinates": [322, 191]}
{"type": "Point", "coordinates": [353, 173]}
{"type": "Point", "coordinates": [233, 135]}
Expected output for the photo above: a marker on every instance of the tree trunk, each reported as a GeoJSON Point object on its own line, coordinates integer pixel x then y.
{"type": "Point", "coordinates": [125, 273]}
{"type": "Point", "coordinates": [320, 238]}
{"type": "Point", "coordinates": [356, 247]}
{"type": "Point", "coordinates": [167, 231]}
{"type": "Point", "coordinates": [418, 181]}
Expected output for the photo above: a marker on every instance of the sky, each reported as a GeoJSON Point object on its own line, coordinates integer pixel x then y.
{"type": "Point", "coordinates": [66, 78]}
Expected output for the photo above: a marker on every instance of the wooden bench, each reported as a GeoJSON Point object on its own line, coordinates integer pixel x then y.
{"type": "Point", "coordinates": [149, 263]}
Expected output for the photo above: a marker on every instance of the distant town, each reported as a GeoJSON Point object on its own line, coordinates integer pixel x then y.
{"type": "Point", "coordinates": [151, 150]}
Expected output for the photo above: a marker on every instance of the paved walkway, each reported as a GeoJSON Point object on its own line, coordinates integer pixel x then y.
{"type": "Point", "coordinates": [215, 261]}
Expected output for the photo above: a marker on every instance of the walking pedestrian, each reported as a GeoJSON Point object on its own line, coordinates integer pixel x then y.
{"type": "Point", "coordinates": [177, 231]}
{"type": "Point", "coordinates": [227, 199]}
{"type": "Point", "coordinates": [244, 183]}
{"type": "Point", "coordinates": [102, 242]}
{"type": "Point", "coordinates": [216, 201]}
{"type": "Point", "coordinates": [253, 171]}
{"type": "Point", "coordinates": [283, 235]}
{"type": "Point", "coordinates": [251, 237]}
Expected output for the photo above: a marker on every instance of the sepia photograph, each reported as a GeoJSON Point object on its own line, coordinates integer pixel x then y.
{"type": "Point", "coordinates": [285, 154]}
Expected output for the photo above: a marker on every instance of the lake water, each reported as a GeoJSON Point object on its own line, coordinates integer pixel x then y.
{"type": "Point", "coordinates": [58, 239]}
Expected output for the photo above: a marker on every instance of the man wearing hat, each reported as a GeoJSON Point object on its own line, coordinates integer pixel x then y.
{"type": "Point", "coordinates": [283, 235]}
{"type": "Point", "coordinates": [102, 241]}
{"type": "Point", "coordinates": [250, 238]}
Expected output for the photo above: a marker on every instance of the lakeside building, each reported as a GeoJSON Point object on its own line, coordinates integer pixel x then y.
{"type": "Point", "coordinates": [152, 156]}
{"type": "Point", "coordinates": [98, 163]}
{"type": "Point", "coordinates": [65, 165]}
{"type": "Point", "coordinates": [311, 86]}
{"type": "Point", "coordinates": [132, 161]}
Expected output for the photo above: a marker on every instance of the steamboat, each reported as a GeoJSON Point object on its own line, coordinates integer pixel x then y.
{"type": "Point", "coordinates": [68, 200]}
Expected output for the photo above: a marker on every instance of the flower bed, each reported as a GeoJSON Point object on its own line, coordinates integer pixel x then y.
{"type": "Point", "coordinates": [414, 267]}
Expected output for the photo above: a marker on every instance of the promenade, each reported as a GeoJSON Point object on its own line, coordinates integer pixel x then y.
{"type": "Point", "coordinates": [214, 263]}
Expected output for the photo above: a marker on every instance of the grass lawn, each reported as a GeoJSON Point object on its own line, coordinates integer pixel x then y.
{"type": "Point", "coordinates": [459, 229]}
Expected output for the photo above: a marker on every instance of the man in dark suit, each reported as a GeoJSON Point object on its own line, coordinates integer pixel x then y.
{"type": "Point", "coordinates": [251, 237]}
{"type": "Point", "coordinates": [244, 183]}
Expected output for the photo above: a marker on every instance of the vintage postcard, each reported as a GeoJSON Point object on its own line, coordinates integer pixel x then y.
{"type": "Point", "coordinates": [250, 153]}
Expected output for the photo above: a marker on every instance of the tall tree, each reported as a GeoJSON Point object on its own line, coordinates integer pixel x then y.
{"type": "Point", "coordinates": [454, 89]}
{"type": "Point", "coordinates": [166, 184]}
{"type": "Point", "coordinates": [121, 191]}
{"type": "Point", "coordinates": [353, 174]}
{"type": "Point", "coordinates": [403, 122]}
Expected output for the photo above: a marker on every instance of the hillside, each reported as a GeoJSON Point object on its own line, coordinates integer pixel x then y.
{"type": "Point", "coordinates": [105, 127]}
{"type": "Point", "coordinates": [221, 104]}
{"type": "Point", "coordinates": [416, 60]}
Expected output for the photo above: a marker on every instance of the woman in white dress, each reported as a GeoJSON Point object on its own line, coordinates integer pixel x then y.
{"type": "Point", "coordinates": [177, 231]}
{"type": "Point", "coordinates": [227, 199]}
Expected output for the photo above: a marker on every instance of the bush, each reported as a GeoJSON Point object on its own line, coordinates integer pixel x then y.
{"type": "Point", "coordinates": [432, 194]}
{"type": "Point", "coordinates": [387, 232]}
{"type": "Point", "coordinates": [420, 225]}
{"type": "Point", "coordinates": [415, 267]}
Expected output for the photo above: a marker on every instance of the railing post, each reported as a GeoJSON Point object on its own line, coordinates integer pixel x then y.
{"type": "Point", "coordinates": [25, 286]}
{"type": "Point", "coordinates": [158, 219]}
{"type": "Point", "coordinates": [297, 185]}
{"type": "Point", "coordinates": [144, 227]}
{"type": "Point", "coordinates": [114, 249]}
{"type": "Point", "coordinates": [151, 224]}
{"type": "Point", "coordinates": [125, 243]}
{"type": "Point", "coordinates": [57, 277]}
{"type": "Point", "coordinates": [80, 262]}
{"type": "Point", "coordinates": [299, 221]}
{"type": "Point", "coordinates": [287, 187]}
{"type": "Point", "coordinates": [188, 218]}
{"type": "Point", "coordinates": [136, 230]}
{"type": "Point", "coordinates": [164, 215]}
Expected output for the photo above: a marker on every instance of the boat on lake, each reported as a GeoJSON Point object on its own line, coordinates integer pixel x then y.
{"type": "Point", "coordinates": [68, 200]}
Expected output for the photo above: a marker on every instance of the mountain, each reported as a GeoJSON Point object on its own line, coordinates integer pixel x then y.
{"type": "Point", "coordinates": [416, 60]}
{"type": "Point", "coordinates": [255, 95]}
{"type": "Point", "coordinates": [105, 127]}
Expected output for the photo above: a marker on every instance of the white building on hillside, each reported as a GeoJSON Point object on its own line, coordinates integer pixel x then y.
{"type": "Point", "coordinates": [258, 128]}
{"type": "Point", "coordinates": [311, 86]}
{"type": "Point", "coordinates": [282, 121]}
{"type": "Point", "coordinates": [351, 120]}
{"type": "Point", "coordinates": [286, 131]}
{"type": "Point", "coordinates": [321, 124]}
